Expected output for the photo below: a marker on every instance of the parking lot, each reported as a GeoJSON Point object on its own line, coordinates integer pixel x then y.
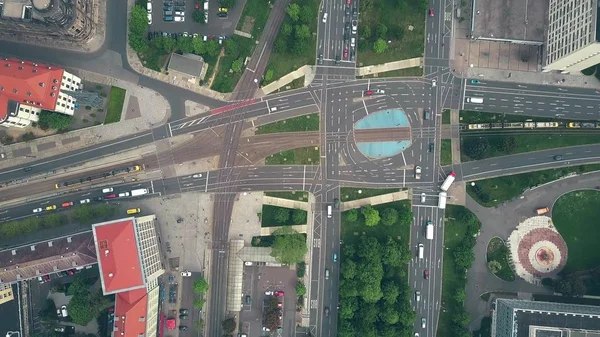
{"type": "Point", "coordinates": [257, 281]}
{"type": "Point", "coordinates": [216, 26]}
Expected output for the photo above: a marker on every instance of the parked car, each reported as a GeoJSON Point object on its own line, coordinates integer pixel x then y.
{"type": "Point", "coordinates": [107, 190]}
{"type": "Point", "coordinates": [183, 316]}
{"type": "Point", "coordinates": [474, 81]}
{"type": "Point", "coordinates": [186, 273]}
{"type": "Point", "coordinates": [123, 194]}
{"type": "Point", "coordinates": [278, 293]}
{"type": "Point", "coordinates": [199, 175]}
{"type": "Point", "coordinates": [268, 293]}
{"type": "Point", "coordinates": [183, 311]}
{"type": "Point", "coordinates": [183, 328]}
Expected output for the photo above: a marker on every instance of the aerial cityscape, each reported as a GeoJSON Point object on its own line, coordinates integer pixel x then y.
{"type": "Point", "coordinates": [286, 168]}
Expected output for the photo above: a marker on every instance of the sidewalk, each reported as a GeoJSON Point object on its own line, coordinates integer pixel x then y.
{"type": "Point", "coordinates": [307, 71]}
{"type": "Point", "coordinates": [153, 110]}
{"type": "Point", "coordinates": [376, 200]}
{"type": "Point", "coordinates": [286, 203]}
{"type": "Point", "coordinates": [265, 231]}
{"type": "Point", "coordinates": [390, 66]}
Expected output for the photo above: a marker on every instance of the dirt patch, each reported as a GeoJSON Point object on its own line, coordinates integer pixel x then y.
{"type": "Point", "coordinates": [248, 24]}
{"type": "Point", "coordinates": [216, 71]}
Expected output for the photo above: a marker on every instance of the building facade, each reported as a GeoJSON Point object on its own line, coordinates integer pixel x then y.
{"type": "Point", "coordinates": [27, 88]}
{"type": "Point", "coordinates": [129, 262]}
{"type": "Point", "coordinates": [571, 42]}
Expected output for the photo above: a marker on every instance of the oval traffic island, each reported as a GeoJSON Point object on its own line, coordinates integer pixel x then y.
{"type": "Point", "coordinates": [383, 134]}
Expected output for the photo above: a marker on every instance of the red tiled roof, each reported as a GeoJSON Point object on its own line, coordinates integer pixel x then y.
{"type": "Point", "coordinates": [118, 256]}
{"type": "Point", "coordinates": [28, 83]}
{"type": "Point", "coordinates": [130, 313]}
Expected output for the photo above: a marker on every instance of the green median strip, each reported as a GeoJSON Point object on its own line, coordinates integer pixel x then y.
{"type": "Point", "coordinates": [446, 152]}
{"type": "Point", "coordinates": [116, 100]}
{"type": "Point", "coordinates": [308, 122]}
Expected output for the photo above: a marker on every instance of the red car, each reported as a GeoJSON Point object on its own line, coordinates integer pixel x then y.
{"type": "Point", "coordinates": [197, 6]}
{"type": "Point", "coordinates": [47, 278]}
{"type": "Point", "coordinates": [67, 204]}
{"type": "Point", "coordinates": [430, 11]}
{"type": "Point", "coordinates": [348, 2]}
{"type": "Point", "coordinates": [345, 54]}
{"type": "Point", "coordinates": [110, 196]}
{"type": "Point", "coordinates": [278, 293]}
{"type": "Point", "coordinates": [368, 92]}
{"type": "Point", "coordinates": [426, 274]}
{"type": "Point", "coordinates": [279, 305]}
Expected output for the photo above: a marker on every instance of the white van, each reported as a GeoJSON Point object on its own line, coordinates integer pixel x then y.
{"type": "Point", "coordinates": [442, 200]}
{"type": "Point", "coordinates": [63, 311]}
{"type": "Point", "coordinates": [329, 210]}
{"type": "Point", "coordinates": [327, 274]}
{"type": "Point", "coordinates": [421, 250]}
{"type": "Point", "coordinates": [478, 100]}
{"type": "Point", "coordinates": [107, 190]}
{"type": "Point", "coordinates": [149, 7]}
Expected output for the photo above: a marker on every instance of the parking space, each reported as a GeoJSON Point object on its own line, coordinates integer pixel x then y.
{"type": "Point", "coordinates": [9, 314]}
{"type": "Point", "coordinates": [184, 22]}
{"type": "Point", "coordinates": [260, 283]}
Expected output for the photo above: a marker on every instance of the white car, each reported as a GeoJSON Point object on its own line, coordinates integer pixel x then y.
{"type": "Point", "coordinates": [186, 273]}
{"type": "Point", "coordinates": [423, 196]}
{"type": "Point", "coordinates": [377, 91]}
{"type": "Point", "coordinates": [268, 293]}
{"type": "Point", "coordinates": [179, 19]}
{"type": "Point", "coordinates": [185, 34]}
{"type": "Point", "coordinates": [418, 296]}
{"type": "Point", "coordinates": [266, 329]}
{"type": "Point", "coordinates": [181, 14]}
{"type": "Point", "coordinates": [124, 194]}
{"type": "Point", "coordinates": [149, 7]}
{"type": "Point", "coordinates": [433, 83]}
{"type": "Point", "coordinates": [149, 18]}
{"type": "Point", "coordinates": [423, 322]}
{"type": "Point", "coordinates": [84, 201]}
{"type": "Point", "coordinates": [107, 190]}
{"type": "Point", "coordinates": [37, 210]}
{"type": "Point", "coordinates": [325, 18]}
{"type": "Point", "coordinates": [352, 42]}
{"type": "Point", "coordinates": [199, 175]}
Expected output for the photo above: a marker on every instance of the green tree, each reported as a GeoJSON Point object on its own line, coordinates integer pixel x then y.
{"type": "Point", "coordinates": [476, 147]}
{"type": "Point", "coordinates": [281, 45]}
{"type": "Point", "coordinates": [302, 32]}
{"type": "Point", "coordinates": [199, 47]}
{"type": "Point", "coordinates": [293, 10]}
{"type": "Point", "coordinates": [494, 266]}
{"type": "Point", "coordinates": [509, 144]}
{"type": "Point", "coordinates": [237, 65]}
{"type": "Point", "coordinates": [299, 216]}
{"type": "Point", "coordinates": [212, 48]}
{"type": "Point", "coordinates": [348, 269]}
{"type": "Point", "coordinates": [286, 29]}
{"type": "Point", "coordinates": [460, 295]}
{"type": "Point", "coordinates": [300, 46]}
{"type": "Point", "coordinates": [198, 303]}
{"type": "Point", "coordinates": [365, 31]}
{"type": "Point", "coordinates": [391, 291]}
{"type": "Point", "coordinates": [300, 289]}
{"type": "Point", "coordinates": [269, 75]}
{"type": "Point", "coordinates": [200, 286]}
{"type": "Point", "coordinates": [228, 3]}
{"type": "Point", "coordinates": [371, 215]}
{"type": "Point", "coordinates": [138, 21]}
{"type": "Point", "coordinates": [198, 16]}
{"type": "Point", "coordinates": [289, 246]}
{"type": "Point", "coordinates": [231, 47]}
{"type": "Point", "coordinates": [463, 258]}
{"type": "Point", "coordinates": [137, 42]}
{"type": "Point", "coordinates": [389, 315]}
{"type": "Point", "coordinates": [380, 46]}
{"type": "Point", "coordinates": [164, 43]}
{"type": "Point", "coordinates": [228, 325]}
{"type": "Point", "coordinates": [306, 14]}
{"type": "Point", "coordinates": [389, 216]}
{"type": "Point", "coordinates": [28, 136]}
{"type": "Point", "coordinates": [393, 253]}
{"type": "Point", "coordinates": [185, 44]}
{"type": "Point", "coordinates": [381, 31]}
{"type": "Point", "coordinates": [282, 215]}
{"type": "Point", "coordinates": [351, 215]}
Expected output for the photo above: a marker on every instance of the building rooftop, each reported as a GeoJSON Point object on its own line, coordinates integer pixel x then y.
{"type": "Point", "coordinates": [118, 256]}
{"type": "Point", "coordinates": [130, 313]}
{"type": "Point", "coordinates": [45, 257]}
{"type": "Point", "coordinates": [544, 319]}
{"type": "Point", "coordinates": [186, 64]}
{"type": "Point", "coordinates": [510, 20]}
{"type": "Point", "coordinates": [28, 83]}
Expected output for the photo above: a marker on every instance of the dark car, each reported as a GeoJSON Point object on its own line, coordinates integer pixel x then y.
{"type": "Point", "coordinates": [354, 13]}
{"type": "Point", "coordinates": [426, 274]}
{"type": "Point", "coordinates": [222, 14]}
{"type": "Point", "coordinates": [183, 328]}
{"type": "Point", "coordinates": [179, 220]}
{"type": "Point", "coordinates": [430, 147]}
{"type": "Point", "coordinates": [336, 203]}
{"type": "Point", "coordinates": [183, 316]}
{"type": "Point", "coordinates": [183, 311]}
{"type": "Point", "coordinates": [337, 59]}
{"type": "Point", "coordinates": [347, 27]}
{"type": "Point", "coordinates": [347, 11]}
{"type": "Point", "coordinates": [98, 199]}
{"type": "Point", "coordinates": [346, 54]}
{"type": "Point", "coordinates": [326, 312]}
{"type": "Point", "coordinates": [352, 55]}
{"type": "Point", "coordinates": [558, 157]}
{"type": "Point", "coordinates": [27, 169]}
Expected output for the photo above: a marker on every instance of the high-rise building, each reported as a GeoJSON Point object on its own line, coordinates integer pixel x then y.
{"type": "Point", "coordinates": [129, 262]}
{"type": "Point", "coordinates": [27, 88]}
{"type": "Point", "coordinates": [571, 42]}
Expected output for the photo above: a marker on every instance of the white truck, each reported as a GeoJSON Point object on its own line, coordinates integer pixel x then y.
{"type": "Point", "coordinates": [449, 180]}
{"type": "Point", "coordinates": [429, 232]}
{"type": "Point", "coordinates": [478, 100]}
{"type": "Point", "coordinates": [442, 200]}
{"type": "Point", "coordinates": [417, 172]}
{"type": "Point", "coordinates": [139, 192]}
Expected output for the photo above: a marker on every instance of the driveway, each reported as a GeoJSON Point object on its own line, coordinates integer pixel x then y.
{"type": "Point", "coordinates": [500, 221]}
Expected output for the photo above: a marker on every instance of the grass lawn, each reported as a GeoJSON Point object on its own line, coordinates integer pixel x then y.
{"type": "Point", "coordinates": [396, 17]}
{"type": "Point", "coordinates": [115, 105]}
{"type": "Point", "coordinates": [225, 79]}
{"type": "Point", "coordinates": [295, 124]}
{"type": "Point", "coordinates": [474, 117]}
{"type": "Point", "coordinates": [528, 142]}
{"type": "Point", "coordinates": [154, 58]}
{"type": "Point", "coordinates": [575, 216]}
{"type": "Point", "coordinates": [268, 216]}
{"type": "Point", "coordinates": [454, 232]}
{"type": "Point", "coordinates": [497, 251]}
{"type": "Point", "coordinates": [446, 152]}
{"type": "Point", "coordinates": [254, 17]}
{"type": "Point", "coordinates": [408, 72]}
{"type": "Point", "coordinates": [351, 231]}
{"type": "Point", "coordinates": [446, 116]}
{"type": "Point", "coordinates": [295, 84]}
{"type": "Point", "coordinates": [301, 156]}
{"type": "Point", "coordinates": [352, 193]}
{"type": "Point", "coordinates": [492, 192]}
{"type": "Point", "coordinates": [285, 59]}
{"type": "Point", "coordinates": [294, 195]}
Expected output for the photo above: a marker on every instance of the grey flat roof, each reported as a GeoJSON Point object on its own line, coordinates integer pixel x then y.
{"type": "Point", "coordinates": [186, 64]}
{"type": "Point", "coordinates": [510, 19]}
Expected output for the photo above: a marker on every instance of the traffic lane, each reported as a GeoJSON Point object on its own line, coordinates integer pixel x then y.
{"type": "Point", "coordinates": [47, 165]}
{"type": "Point", "coordinates": [526, 162]}
{"type": "Point", "coordinates": [333, 235]}
{"type": "Point", "coordinates": [26, 208]}
{"type": "Point", "coordinates": [485, 85]}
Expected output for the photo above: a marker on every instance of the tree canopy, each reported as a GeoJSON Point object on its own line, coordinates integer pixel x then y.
{"type": "Point", "coordinates": [371, 215]}
{"type": "Point", "coordinates": [54, 120]}
{"type": "Point", "coordinates": [289, 246]}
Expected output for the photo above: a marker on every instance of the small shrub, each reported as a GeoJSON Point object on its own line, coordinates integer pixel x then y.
{"type": "Point", "coordinates": [87, 107]}
{"type": "Point", "coordinates": [34, 124]}
{"type": "Point", "coordinates": [93, 114]}
{"type": "Point", "coordinates": [99, 87]}
{"type": "Point", "coordinates": [28, 136]}
{"type": "Point", "coordinates": [85, 120]}
{"type": "Point", "coordinates": [99, 110]}
{"type": "Point", "coordinates": [102, 94]}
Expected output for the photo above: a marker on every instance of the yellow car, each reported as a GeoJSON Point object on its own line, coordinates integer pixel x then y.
{"type": "Point", "coordinates": [133, 211]}
{"type": "Point", "coordinates": [50, 208]}
{"type": "Point", "coordinates": [223, 9]}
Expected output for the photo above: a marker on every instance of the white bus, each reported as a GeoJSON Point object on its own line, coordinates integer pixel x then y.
{"type": "Point", "coordinates": [429, 232]}
{"type": "Point", "coordinates": [442, 200]}
{"type": "Point", "coordinates": [449, 180]}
